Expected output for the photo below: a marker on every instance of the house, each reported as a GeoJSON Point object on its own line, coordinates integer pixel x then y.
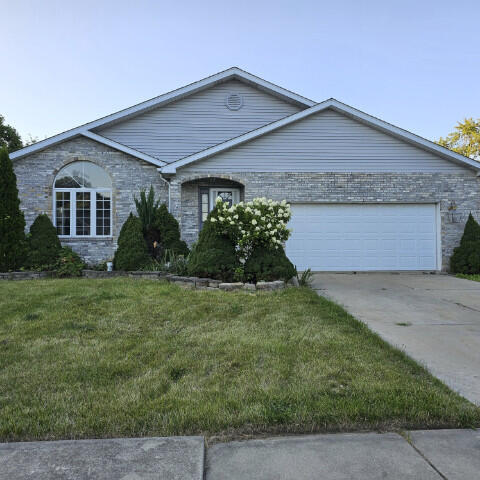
{"type": "Point", "coordinates": [365, 195]}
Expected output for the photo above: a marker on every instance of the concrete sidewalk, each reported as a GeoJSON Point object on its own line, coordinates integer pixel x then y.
{"type": "Point", "coordinates": [166, 458]}
{"type": "Point", "coordinates": [427, 455]}
{"type": "Point", "coordinates": [440, 454]}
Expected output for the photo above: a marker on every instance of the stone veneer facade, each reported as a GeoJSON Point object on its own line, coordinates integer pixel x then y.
{"type": "Point", "coordinates": [36, 173]}
{"type": "Point", "coordinates": [463, 190]}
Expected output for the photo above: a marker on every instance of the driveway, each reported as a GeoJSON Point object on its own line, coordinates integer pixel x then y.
{"type": "Point", "coordinates": [433, 318]}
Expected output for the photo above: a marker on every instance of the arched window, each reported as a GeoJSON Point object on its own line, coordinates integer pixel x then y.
{"type": "Point", "coordinates": [82, 196]}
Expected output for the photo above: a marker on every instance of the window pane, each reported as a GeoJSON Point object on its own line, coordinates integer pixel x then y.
{"type": "Point", "coordinates": [226, 196]}
{"type": "Point", "coordinates": [83, 174]}
{"type": "Point", "coordinates": [62, 212]}
{"type": "Point", "coordinates": [83, 213]}
{"type": "Point", "coordinates": [95, 176]}
{"type": "Point", "coordinates": [103, 213]}
{"type": "Point", "coordinates": [204, 206]}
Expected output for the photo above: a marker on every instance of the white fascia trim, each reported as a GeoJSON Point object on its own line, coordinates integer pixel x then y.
{"type": "Point", "coordinates": [123, 148]}
{"type": "Point", "coordinates": [230, 73]}
{"type": "Point", "coordinates": [335, 105]}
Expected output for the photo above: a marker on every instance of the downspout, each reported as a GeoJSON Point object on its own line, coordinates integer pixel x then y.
{"type": "Point", "coordinates": [168, 183]}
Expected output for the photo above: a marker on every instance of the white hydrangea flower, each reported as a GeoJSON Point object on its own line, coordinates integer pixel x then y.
{"type": "Point", "coordinates": [283, 202]}
{"type": "Point", "coordinates": [221, 219]}
{"type": "Point", "coordinates": [257, 229]}
{"type": "Point", "coordinates": [254, 222]}
{"type": "Point", "coordinates": [213, 219]}
{"type": "Point", "coordinates": [235, 216]}
{"type": "Point", "coordinates": [269, 225]}
{"type": "Point", "coordinates": [232, 222]}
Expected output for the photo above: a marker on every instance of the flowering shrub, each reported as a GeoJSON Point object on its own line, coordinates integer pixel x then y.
{"type": "Point", "coordinates": [251, 224]}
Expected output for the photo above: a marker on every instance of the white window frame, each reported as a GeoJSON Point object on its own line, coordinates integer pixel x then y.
{"type": "Point", "coordinates": [73, 211]}
{"type": "Point", "coordinates": [214, 194]}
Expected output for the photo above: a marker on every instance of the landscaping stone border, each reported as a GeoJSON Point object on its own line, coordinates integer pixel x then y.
{"type": "Point", "coordinates": [185, 282]}
{"type": "Point", "coordinates": [190, 282]}
{"type": "Point", "coordinates": [24, 275]}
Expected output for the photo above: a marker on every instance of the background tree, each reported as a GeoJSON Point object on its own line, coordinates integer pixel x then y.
{"type": "Point", "coordinates": [12, 221]}
{"type": "Point", "coordinates": [465, 139]}
{"type": "Point", "coordinates": [9, 137]}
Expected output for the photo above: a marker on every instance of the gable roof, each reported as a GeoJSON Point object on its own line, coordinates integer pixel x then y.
{"type": "Point", "coordinates": [341, 108]}
{"type": "Point", "coordinates": [87, 129]}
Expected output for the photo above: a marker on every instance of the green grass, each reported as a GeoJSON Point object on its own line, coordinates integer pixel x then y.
{"type": "Point", "coordinates": [122, 357]}
{"type": "Point", "coordinates": [475, 278]}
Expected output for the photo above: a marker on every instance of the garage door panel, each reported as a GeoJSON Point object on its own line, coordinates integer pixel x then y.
{"type": "Point", "coordinates": [363, 237]}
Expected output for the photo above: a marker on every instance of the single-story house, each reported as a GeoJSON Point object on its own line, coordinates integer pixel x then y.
{"type": "Point", "coordinates": [365, 194]}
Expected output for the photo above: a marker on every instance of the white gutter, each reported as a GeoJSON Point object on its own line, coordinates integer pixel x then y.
{"type": "Point", "coordinates": [168, 183]}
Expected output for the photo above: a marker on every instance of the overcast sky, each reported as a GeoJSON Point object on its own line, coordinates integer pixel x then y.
{"type": "Point", "coordinates": [415, 64]}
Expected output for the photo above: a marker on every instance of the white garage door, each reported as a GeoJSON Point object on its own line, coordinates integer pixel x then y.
{"type": "Point", "coordinates": [342, 237]}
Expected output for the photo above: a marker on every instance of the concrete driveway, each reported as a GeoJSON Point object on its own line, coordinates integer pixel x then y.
{"type": "Point", "coordinates": [433, 318]}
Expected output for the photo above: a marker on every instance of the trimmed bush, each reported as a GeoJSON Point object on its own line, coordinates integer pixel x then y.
{"type": "Point", "coordinates": [267, 263]}
{"type": "Point", "coordinates": [471, 232]}
{"type": "Point", "coordinates": [12, 221]}
{"type": "Point", "coordinates": [167, 233]}
{"type": "Point", "coordinates": [43, 244]}
{"type": "Point", "coordinates": [69, 263]}
{"type": "Point", "coordinates": [132, 253]}
{"type": "Point", "coordinates": [466, 257]}
{"type": "Point", "coordinates": [214, 255]}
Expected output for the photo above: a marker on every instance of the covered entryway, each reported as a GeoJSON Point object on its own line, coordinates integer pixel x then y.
{"type": "Point", "coordinates": [363, 237]}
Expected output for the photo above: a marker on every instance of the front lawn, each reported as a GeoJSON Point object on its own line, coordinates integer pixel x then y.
{"type": "Point", "coordinates": [122, 357]}
{"type": "Point", "coordinates": [475, 278]}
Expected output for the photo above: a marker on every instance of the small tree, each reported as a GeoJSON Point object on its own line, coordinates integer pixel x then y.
{"type": "Point", "coordinates": [471, 232]}
{"type": "Point", "coordinates": [12, 221]}
{"type": "Point", "coordinates": [43, 244]}
{"type": "Point", "coordinates": [466, 257]}
{"type": "Point", "coordinates": [214, 255]}
{"type": "Point", "coordinates": [132, 253]}
{"type": "Point", "coordinates": [168, 232]}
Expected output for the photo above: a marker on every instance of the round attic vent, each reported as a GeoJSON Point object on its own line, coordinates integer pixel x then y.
{"type": "Point", "coordinates": [234, 101]}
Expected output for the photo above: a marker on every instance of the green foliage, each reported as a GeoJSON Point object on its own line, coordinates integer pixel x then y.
{"type": "Point", "coordinates": [214, 255]}
{"type": "Point", "coordinates": [255, 223]}
{"type": "Point", "coordinates": [132, 253]}
{"type": "Point", "coordinates": [471, 232]}
{"type": "Point", "coordinates": [170, 263]}
{"type": "Point", "coordinates": [466, 257]}
{"type": "Point", "coordinates": [167, 233]}
{"type": "Point", "coordinates": [68, 264]}
{"type": "Point", "coordinates": [146, 208]}
{"type": "Point", "coordinates": [43, 244]}
{"type": "Point", "coordinates": [305, 278]}
{"type": "Point", "coordinates": [9, 137]}
{"type": "Point", "coordinates": [12, 221]}
{"type": "Point", "coordinates": [465, 139]}
{"type": "Point", "coordinates": [267, 263]}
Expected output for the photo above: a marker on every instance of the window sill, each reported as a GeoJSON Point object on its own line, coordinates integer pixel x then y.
{"type": "Point", "coordinates": [85, 239]}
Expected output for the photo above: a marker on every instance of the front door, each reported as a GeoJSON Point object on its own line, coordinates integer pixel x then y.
{"type": "Point", "coordinates": [208, 196]}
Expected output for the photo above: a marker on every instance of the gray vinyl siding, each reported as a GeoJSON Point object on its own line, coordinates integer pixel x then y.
{"type": "Point", "coordinates": [326, 142]}
{"type": "Point", "coordinates": [198, 121]}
